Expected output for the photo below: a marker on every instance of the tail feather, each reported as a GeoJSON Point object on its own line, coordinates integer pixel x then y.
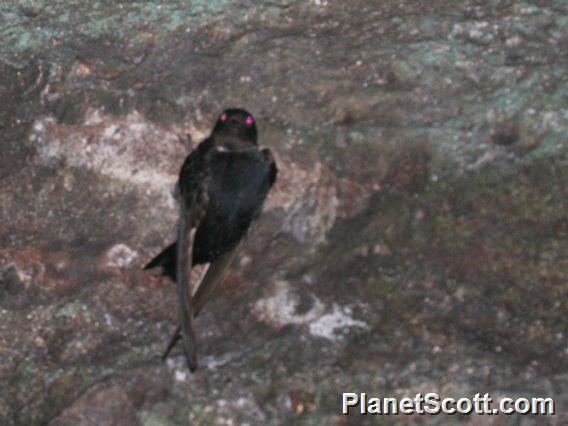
{"type": "Point", "coordinates": [165, 260]}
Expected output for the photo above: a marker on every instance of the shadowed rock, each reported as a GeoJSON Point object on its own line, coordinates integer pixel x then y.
{"type": "Point", "coordinates": [415, 241]}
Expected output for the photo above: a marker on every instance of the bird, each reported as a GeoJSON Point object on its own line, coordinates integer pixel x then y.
{"type": "Point", "coordinates": [221, 189]}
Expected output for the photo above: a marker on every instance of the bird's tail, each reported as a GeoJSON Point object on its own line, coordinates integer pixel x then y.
{"type": "Point", "coordinates": [165, 260]}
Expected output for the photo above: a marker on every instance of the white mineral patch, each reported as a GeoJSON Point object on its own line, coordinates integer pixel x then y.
{"type": "Point", "coordinates": [213, 362]}
{"type": "Point", "coordinates": [110, 131]}
{"type": "Point", "coordinates": [108, 319]}
{"type": "Point", "coordinates": [128, 148]}
{"type": "Point", "coordinates": [328, 325]}
{"type": "Point", "coordinates": [246, 403]}
{"type": "Point", "coordinates": [180, 376]}
{"type": "Point", "coordinates": [93, 116]}
{"type": "Point", "coordinates": [120, 256]}
{"type": "Point", "coordinates": [279, 309]}
{"type": "Point", "coordinates": [177, 364]}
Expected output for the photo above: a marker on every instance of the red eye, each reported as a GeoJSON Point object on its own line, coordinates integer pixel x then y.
{"type": "Point", "coordinates": [249, 121]}
{"type": "Point", "coordinates": [223, 117]}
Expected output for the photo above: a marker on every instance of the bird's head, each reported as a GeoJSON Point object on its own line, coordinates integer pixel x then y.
{"type": "Point", "coordinates": [236, 123]}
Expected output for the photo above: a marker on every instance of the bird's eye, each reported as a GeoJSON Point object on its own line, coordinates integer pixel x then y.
{"type": "Point", "coordinates": [223, 117]}
{"type": "Point", "coordinates": [249, 120]}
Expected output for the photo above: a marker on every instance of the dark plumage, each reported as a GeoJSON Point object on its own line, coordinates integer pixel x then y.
{"type": "Point", "coordinates": [221, 188]}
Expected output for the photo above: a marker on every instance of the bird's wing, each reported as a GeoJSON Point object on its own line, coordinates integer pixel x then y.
{"type": "Point", "coordinates": [273, 170]}
{"type": "Point", "coordinates": [193, 202]}
{"type": "Point", "coordinates": [214, 275]}
{"type": "Point", "coordinates": [194, 168]}
{"type": "Point", "coordinates": [192, 211]}
{"type": "Point", "coordinates": [186, 237]}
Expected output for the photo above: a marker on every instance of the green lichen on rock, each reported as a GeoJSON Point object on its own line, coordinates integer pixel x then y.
{"type": "Point", "coordinates": [415, 241]}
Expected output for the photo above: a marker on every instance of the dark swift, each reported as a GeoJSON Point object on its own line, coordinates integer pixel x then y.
{"type": "Point", "coordinates": [221, 188]}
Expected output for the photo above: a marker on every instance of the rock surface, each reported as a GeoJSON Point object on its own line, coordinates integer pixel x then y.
{"type": "Point", "coordinates": [416, 240]}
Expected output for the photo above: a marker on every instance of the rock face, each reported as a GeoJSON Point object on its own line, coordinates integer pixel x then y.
{"type": "Point", "coordinates": [416, 240]}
